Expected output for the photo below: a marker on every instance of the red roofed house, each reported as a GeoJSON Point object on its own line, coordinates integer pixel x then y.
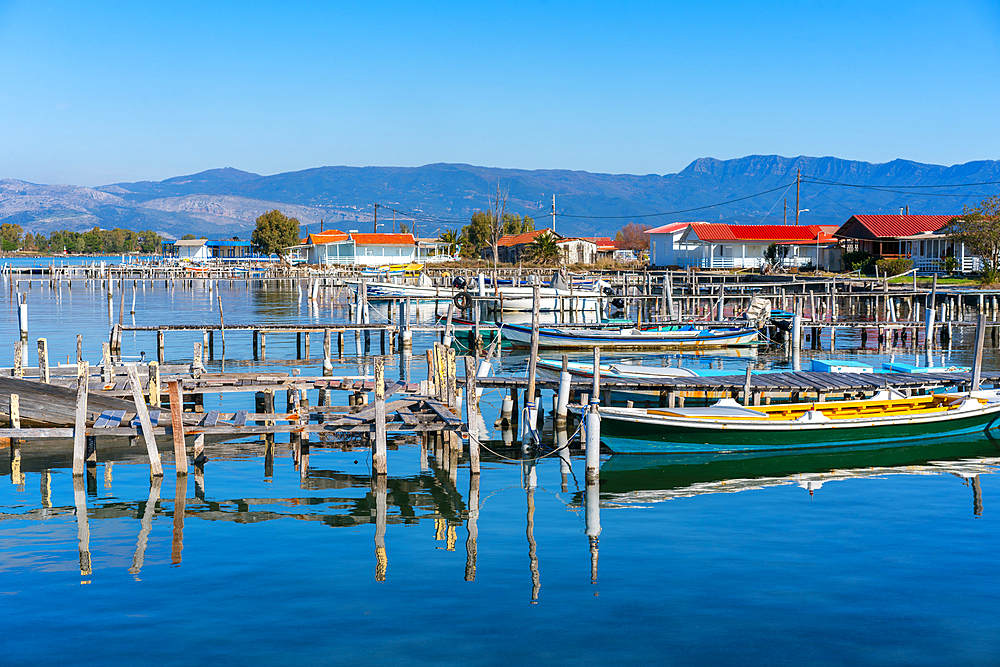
{"type": "Point", "coordinates": [713, 245]}
{"type": "Point", "coordinates": [665, 248]}
{"type": "Point", "coordinates": [917, 237]}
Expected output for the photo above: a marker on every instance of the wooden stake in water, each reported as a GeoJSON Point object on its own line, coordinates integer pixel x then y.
{"type": "Point", "coordinates": [379, 444]}
{"type": "Point", "coordinates": [472, 413]}
{"type": "Point", "coordinates": [43, 360]}
{"type": "Point", "coordinates": [80, 422]}
{"type": "Point", "coordinates": [177, 425]}
{"type": "Point", "coordinates": [155, 468]}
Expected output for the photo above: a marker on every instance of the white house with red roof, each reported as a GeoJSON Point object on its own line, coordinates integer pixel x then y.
{"type": "Point", "coordinates": [665, 248]}
{"type": "Point", "coordinates": [716, 245]}
{"type": "Point", "coordinates": [915, 237]}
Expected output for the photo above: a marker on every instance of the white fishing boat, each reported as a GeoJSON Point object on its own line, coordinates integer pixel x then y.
{"type": "Point", "coordinates": [679, 336]}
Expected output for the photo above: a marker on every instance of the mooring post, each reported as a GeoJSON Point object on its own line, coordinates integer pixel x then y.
{"type": "Point", "coordinates": [562, 401]}
{"type": "Point", "coordinates": [977, 363]}
{"type": "Point", "coordinates": [746, 388]}
{"type": "Point", "coordinates": [43, 360]}
{"type": "Point", "coordinates": [593, 424]}
{"type": "Point", "coordinates": [106, 367]}
{"type": "Point", "coordinates": [177, 424]}
{"type": "Point", "coordinates": [327, 363]}
{"type": "Point", "coordinates": [79, 348]}
{"type": "Point", "coordinates": [379, 444]}
{"type": "Point", "coordinates": [80, 422]}
{"type": "Point", "coordinates": [153, 385]}
{"type": "Point", "coordinates": [472, 412]}
{"type": "Point", "coordinates": [447, 327]}
{"type": "Point", "coordinates": [531, 412]}
{"type": "Point", "coordinates": [22, 314]}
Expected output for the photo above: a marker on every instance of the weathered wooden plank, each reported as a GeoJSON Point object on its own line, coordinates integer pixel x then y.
{"type": "Point", "coordinates": [211, 418]}
{"type": "Point", "coordinates": [443, 412]}
{"type": "Point", "coordinates": [156, 469]}
{"type": "Point", "coordinates": [240, 418]}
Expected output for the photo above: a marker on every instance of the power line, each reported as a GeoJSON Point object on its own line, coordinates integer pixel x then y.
{"type": "Point", "coordinates": [949, 185]}
{"type": "Point", "coordinates": [686, 210]}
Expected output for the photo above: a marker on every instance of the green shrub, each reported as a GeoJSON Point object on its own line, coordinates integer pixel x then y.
{"type": "Point", "coordinates": [857, 261]}
{"type": "Point", "coordinates": [949, 264]}
{"type": "Point", "coordinates": [893, 266]}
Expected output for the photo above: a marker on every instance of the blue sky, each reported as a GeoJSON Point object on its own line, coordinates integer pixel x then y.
{"type": "Point", "coordinates": [94, 93]}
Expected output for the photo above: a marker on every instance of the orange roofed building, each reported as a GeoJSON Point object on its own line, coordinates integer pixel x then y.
{"type": "Point", "coordinates": [357, 248]}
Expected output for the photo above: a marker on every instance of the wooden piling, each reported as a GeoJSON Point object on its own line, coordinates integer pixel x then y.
{"type": "Point", "coordinates": [154, 384]}
{"type": "Point", "coordinates": [177, 425]}
{"type": "Point", "coordinates": [80, 423]}
{"type": "Point", "coordinates": [43, 360]}
{"type": "Point", "coordinates": [379, 443]}
{"type": "Point", "coordinates": [155, 468]}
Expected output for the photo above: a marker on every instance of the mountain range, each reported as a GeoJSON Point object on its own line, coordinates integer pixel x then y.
{"type": "Point", "coordinates": [226, 202]}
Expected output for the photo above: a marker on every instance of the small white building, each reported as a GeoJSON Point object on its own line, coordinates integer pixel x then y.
{"type": "Point", "coordinates": [193, 250]}
{"type": "Point", "coordinates": [665, 247]}
{"type": "Point", "coordinates": [577, 250]}
{"type": "Point", "coordinates": [383, 249]}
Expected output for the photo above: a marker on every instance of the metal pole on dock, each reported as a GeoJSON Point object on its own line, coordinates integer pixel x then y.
{"type": "Point", "coordinates": [593, 424]}
{"type": "Point", "coordinates": [562, 402]}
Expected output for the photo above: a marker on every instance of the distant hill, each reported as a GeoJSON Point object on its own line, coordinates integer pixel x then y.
{"type": "Point", "coordinates": [224, 202]}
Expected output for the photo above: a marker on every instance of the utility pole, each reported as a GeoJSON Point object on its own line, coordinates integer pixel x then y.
{"type": "Point", "coordinates": [393, 221]}
{"type": "Point", "coordinates": [553, 212]}
{"type": "Point", "coordinates": [798, 181]}
{"type": "Point", "coordinates": [375, 229]}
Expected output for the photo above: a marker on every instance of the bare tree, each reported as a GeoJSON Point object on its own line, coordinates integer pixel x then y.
{"type": "Point", "coordinates": [497, 209]}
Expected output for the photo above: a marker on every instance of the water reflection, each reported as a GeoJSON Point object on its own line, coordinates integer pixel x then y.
{"type": "Point", "coordinates": [337, 497]}
{"type": "Point", "coordinates": [638, 479]}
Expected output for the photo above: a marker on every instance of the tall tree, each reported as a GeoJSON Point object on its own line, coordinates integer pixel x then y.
{"type": "Point", "coordinates": [634, 237]}
{"type": "Point", "coordinates": [979, 229]}
{"type": "Point", "coordinates": [497, 212]}
{"type": "Point", "coordinates": [10, 236]}
{"type": "Point", "coordinates": [274, 233]}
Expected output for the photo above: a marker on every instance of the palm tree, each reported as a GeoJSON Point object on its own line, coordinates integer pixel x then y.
{"type": "Point", "coordinates": [451, 237]}
{"type": "Point", "coordinates": [543, 249]}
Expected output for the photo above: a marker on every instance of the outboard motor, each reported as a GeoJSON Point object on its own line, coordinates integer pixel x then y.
{"type": "Point", "coordinates": [458, 282]}
{"type": "Point", "coordinates": [618, 302]}
{"type": "Point", "coordinates": [608, 290]}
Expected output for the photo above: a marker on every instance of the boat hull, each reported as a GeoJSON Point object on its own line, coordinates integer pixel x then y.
{"type": "Point", "coordinates": [635, 436]}
{"type": "Point", "coordinates": [520, 336]}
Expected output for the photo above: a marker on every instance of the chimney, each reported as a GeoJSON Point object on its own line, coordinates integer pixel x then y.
{"type": "Point", "coordinates": [321, 225]}
{"type": "Point", "coordinates": [907, 209]}
{"type": "Point", "coordinates": [901, 210]}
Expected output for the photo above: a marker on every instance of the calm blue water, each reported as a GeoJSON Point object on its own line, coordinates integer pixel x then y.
{"type": "Point", "coordinates": [805, 560]}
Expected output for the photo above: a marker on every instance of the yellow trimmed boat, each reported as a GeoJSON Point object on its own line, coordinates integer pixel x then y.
{"type": "Point", "coordinates": [728, 426]}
